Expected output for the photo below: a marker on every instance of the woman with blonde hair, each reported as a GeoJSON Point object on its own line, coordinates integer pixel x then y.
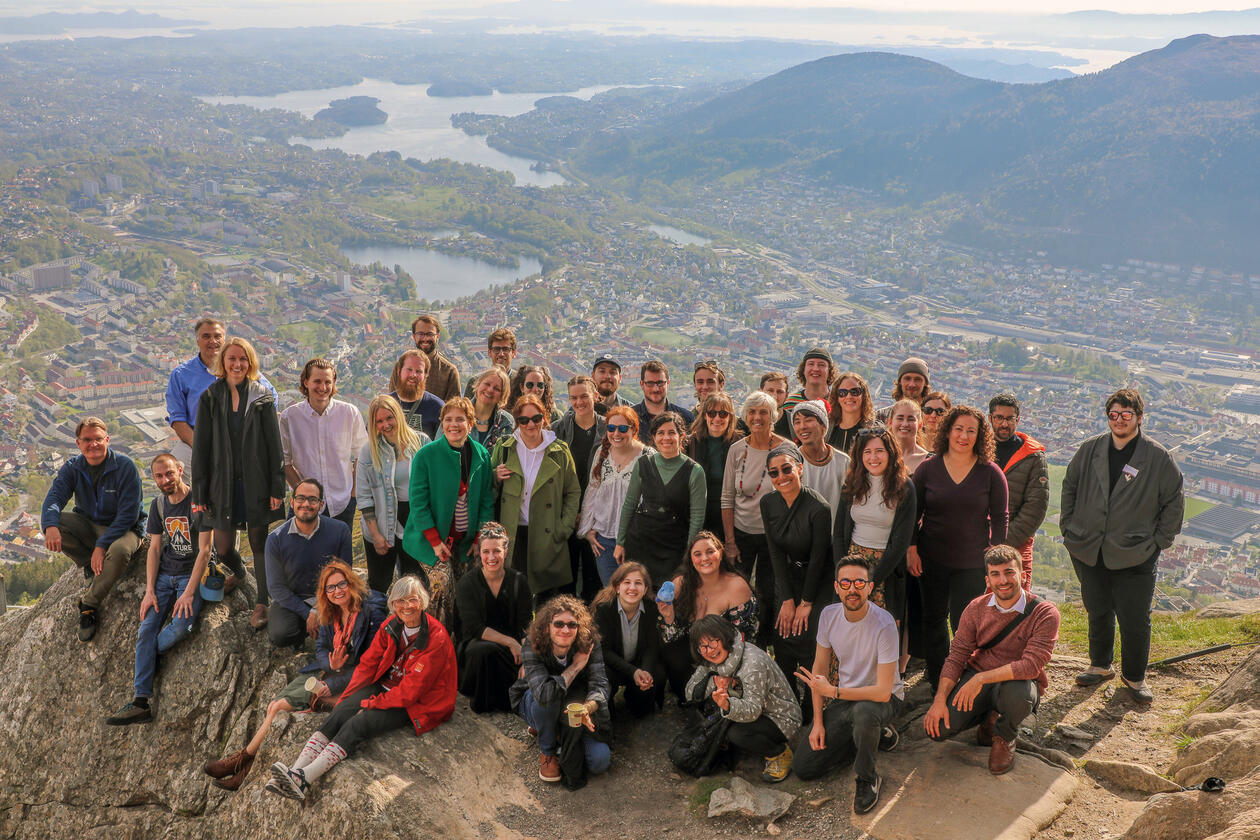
{"type": "Point", "coordinates": [382, 481]}
{"type": "Point", "coordinates": [349, 616]}
{"type": "Point", "coordinates": [489, 395]}
{"type": "Point", "coordinates": [238, 463]}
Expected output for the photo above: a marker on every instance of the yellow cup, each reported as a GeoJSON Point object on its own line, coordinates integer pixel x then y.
{"type": "Point", "coordinates": [576, 712]}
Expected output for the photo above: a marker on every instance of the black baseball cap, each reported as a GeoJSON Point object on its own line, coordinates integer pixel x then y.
{"type": "Point", "coordinates": [602, 358]}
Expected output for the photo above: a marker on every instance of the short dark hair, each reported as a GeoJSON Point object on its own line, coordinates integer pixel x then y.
{"type": "Point", "coordinates": [773, 376]}
{"type": "Point", "coordinates": [983, 447]}
{"type": "Point", "coordinates": [1004, 399]}
{"type": "Point", "coordinates": [203, 321]}
{"type": "Point", "coordinates": [501, 334]}
{"type": "Point", "coordinates": [655, 366]}
{"type": "Point", "coordinates": [1000, 555]}
{"type": "Point", "coordinates": [668, 417]}
{"type": "Point", "coordinates": [1127, 397]}
{"type": "Point", "coordinates": [427, 319]}
{"type": "Point", "coordinates": [711, 627]}
{"type": "Point", "coordinates": [853, 560]}
{"type": "Point", "coordinates": [319, 484]}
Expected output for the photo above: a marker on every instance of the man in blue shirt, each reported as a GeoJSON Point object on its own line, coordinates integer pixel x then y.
{"type": "Point", "coordinates": [188, 381]}
{"type": "Point", "coordinates": [296, 553]}
{"type": "Point", "coordinates": [103, 530]}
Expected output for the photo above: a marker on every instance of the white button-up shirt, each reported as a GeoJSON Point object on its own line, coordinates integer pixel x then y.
{"type": "Point", "coordinates": [324, 446]}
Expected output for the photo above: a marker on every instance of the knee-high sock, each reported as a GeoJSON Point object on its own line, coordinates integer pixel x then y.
{"type": "Point", "coordinates": [323, 762]}
{"type": "Point", "coordinates": [313, 748]}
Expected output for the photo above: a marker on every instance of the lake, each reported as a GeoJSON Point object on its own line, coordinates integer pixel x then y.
{"type": "Point", "coordinates": [678, 235]}
{"type": "Point", "coordinates": [441, 276]}
{"type": "Point", "coordinates": [419, 125]}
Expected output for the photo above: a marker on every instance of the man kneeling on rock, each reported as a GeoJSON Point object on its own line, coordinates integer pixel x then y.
{"type": "Point", "coordinates": [178, 553]}
{"type": "Point", "coordinates": [863, 639]}
{"type": "Point", "coordinates": [996, 670]}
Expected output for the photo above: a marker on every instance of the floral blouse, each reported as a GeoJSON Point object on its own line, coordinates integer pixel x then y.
{"type": "Point", "coordinates": [743, 616]}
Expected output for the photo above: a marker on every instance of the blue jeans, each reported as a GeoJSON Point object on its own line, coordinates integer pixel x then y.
{"type": "Point", "coordinates": [153, 638]}
{"type": "Point", "coordinates": [545, 718]}
{"type": "Point", "coordinates": [604, 562]}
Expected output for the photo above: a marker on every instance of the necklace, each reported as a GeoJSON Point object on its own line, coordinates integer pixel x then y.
{"type": "Point", "coordinates": [743, 462]}
{"type": "Point", "coordinates": [819, 463]}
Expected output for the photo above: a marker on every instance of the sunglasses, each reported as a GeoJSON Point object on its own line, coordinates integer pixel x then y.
{"type": "Point", "coordinates": [530, 420]}
{"type": "Point", "coordinates": [1121, 415]}
{"type": "Point", "coordinates": [336, 587]}
{"type": "Point", "coordinates": [533, 386]}
{"type": "Point", "coordinates": [707, 363]}
{"type": "Point", "coordinates": [850, 392]}
{"type": "Point", "coordinates": [717, 414]}
{"type": "Point", "coordinates": [565, 625]}
{"type": "Point", "coordinates": [622, 428]}
{"type": "Point", "coordinates": [786, 469]}
{"type": "Point", "coordinates": [939, 412]}
{"type": "Point", "coordinates": [859, 584]}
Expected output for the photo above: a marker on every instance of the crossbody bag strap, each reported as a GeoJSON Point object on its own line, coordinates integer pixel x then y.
{"type": "Point", "coordinates": [1033, 600]}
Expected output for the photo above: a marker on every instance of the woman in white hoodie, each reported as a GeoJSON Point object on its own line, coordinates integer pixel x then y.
{"type": "Point", "coordinates": [539, 497]}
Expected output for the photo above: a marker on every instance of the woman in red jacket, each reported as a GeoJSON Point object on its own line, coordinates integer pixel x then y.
{"type": "Point", "coordinates": [406, 676]}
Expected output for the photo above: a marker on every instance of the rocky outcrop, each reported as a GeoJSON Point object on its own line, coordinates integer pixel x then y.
{"type": "Point", "coordinates": [1230, 609]}
{"type": "Point", "coordinates": [64, 773]}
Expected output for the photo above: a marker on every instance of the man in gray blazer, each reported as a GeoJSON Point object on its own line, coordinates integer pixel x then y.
{"type": "Point", "coordinates": [1122, 505]}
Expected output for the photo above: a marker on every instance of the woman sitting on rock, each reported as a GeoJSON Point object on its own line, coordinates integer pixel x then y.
{"type": "Point", "coordinates": [349, 616]}
{"type": "Point", "coordinates": [743, 681]}
{"type": "Point", "coordinates": [626, 621]}
{"type": "Point", "coordinates": [406, 676]}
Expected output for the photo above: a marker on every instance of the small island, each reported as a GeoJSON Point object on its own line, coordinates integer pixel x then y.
{"type": "Point", "coordinates": [354, 111]}
{"type": "Point", "coordinates": [454, 87]}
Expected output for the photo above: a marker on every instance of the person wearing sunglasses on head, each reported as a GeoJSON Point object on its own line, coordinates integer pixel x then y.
{"type": "Point", "coordinates": [1122, 505]}
{"type": "Point", "coordinates": [798, 534]}
{"type": "Point", "coordinates": [851, 410]}
{"type": "Point", "coordinates": [583, 429]}
{"type": "Point", "coordinates": [538, 498]}
{"type": "Point", "coordinates": [563, 681]}
{"type": "Point", "coordinates": [536, 380]}
{"type": "Point", "coordinates": [712, 433]}
{"type": "Point", "coordinates": [609, 482]}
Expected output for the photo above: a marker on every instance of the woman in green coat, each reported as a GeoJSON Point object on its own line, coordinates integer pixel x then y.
{"type": "Point", "coordinates": [451, 495]}
{"type": "Point", "coordinates": [539, 498]}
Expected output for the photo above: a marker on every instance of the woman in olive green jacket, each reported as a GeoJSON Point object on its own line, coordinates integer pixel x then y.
{"type": "Point", "coordinates": [539, 497]}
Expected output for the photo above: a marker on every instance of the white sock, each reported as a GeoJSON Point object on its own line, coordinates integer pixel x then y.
{"type": "Point", "coordinates": [324, 762]}
{"type": "Point", "coordinates": [313, 748]}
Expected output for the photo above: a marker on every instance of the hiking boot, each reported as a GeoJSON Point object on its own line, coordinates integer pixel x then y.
{"type": "Point", "coordinates": [221, 768]}
{"type": "Point", "coordinates": [1001, 755]}
{"type": "Point", "coordinates": [131, 713]}
{"type": "Point", "coordinates": [984, 732]}
{"type": "Point", "coordinates": [777, 768]}
{"type": "Point", "coordinates": [237, 779]}
{"type": "Point", "coordinates": [865, 794]}
{"type": "Point", "coordinates": [88, 622]}
{"type": "Point", "coordinates": [259, 619]}
{"type": "Point", "coordinates": [1142, 695]}
{"type": "Point", "coordinates": [1093, 676]}
{"type": "Point", "coordinates": [548, 768]}
{"type": "Point", "coordinates": [889, 738]}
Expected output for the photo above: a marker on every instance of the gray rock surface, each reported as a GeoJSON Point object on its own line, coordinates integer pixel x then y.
{"type": "Point", "coordinates": [743, 799]}
{"type": "Point", "coordinates": [1230, 609]}
{"type": "Point", "coordinates": [1233, 814]}
{"type": "Point", "coordinates": [1128, 776]}
{"type": "Point", "coordinates": [64, 773]}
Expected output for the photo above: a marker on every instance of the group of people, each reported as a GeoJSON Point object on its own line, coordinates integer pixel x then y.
{"type": "Point", "coordinates": [776, 564]}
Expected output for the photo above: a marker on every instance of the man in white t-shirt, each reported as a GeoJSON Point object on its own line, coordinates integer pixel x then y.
{"type": "Point", "coordinates": [868, 692]}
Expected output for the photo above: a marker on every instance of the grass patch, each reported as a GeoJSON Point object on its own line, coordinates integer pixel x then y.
{"type": "Point", "coordinates": [1196, 506]}
{"type": "Point", "coordinates": [1171, 635]}
{"type": "Point", "coordinates": [659, 335]}
{"type": "Point", "coordinates": [1183, 743]}
{"type": "Point", "coordinates": [699, 800]}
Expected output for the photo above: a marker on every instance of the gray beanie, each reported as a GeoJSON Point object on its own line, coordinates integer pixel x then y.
{"type": "Point", "coordinates": [789, 449]}
{"type": "Point", "coordinates": [913, 365]}
{"type": "Point", "coordinates": [817, 408]}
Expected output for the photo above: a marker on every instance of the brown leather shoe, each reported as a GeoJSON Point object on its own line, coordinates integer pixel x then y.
{"type": "Point", "coordinates": [984, 732]}
{"type": "Point", "coordinates": [1001, 755]}
{"type": "Point", "coordinates": [238, 778]}
{"type": "Point", "coordinates": [548, 768]}
{"type": "Point", "coordinates": [221, 768]}
{"type": "Point", "coordinates": [259, 619]}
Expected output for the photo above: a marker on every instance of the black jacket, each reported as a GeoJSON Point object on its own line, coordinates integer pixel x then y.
{"type": "Point", "coordinates": [262, 458]}
{"type": "Point", "coordinates": [899, 535]}
{"type": "Point", "coordinates": [647, 652]}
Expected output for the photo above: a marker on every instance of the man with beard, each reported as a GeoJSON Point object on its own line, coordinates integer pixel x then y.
{"type": "Point", "coordinates": [443, 379]}
{"type": "Point", "coordinates": [606, 371]}
{"type": "Point", "coordinates": [296, 553]}
{"type": "Point", "coordinates": [861, 638]}
{"type": "Point", "coordinates": [912, 383]}
{"type": "Point", "coordinates": [996, 671]}
{"type": "Point", "coordinates": [178, 553]}
{"type": "Point", "coordinates": [1027, 480]}
{"type": "Point", "coordinates": [406, 385]}
{"type": "Point", "coordinates": [654, 381]}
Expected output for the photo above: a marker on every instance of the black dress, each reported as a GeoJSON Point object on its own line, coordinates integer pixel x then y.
{"type": "Point", "coordinates": [487, 669]}
{"type": "Point", "coordinates": [657, 536]}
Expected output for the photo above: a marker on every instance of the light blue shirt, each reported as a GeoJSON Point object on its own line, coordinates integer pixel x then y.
{"type": "Point", "coordinates": [188, 382]}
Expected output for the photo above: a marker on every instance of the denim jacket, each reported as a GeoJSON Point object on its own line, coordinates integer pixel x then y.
{"type": "Point", "coordinates": [374, 489]}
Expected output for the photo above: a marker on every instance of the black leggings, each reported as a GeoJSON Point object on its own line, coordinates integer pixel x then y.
{"type": "Point", "coordinates": [381, 566]}
{"type": "Point", "coordinates": [349, 725]}
{"type": "Point", "coordinates": [225, 547]}
{"type": "Point", "coordinates": [762, 737]}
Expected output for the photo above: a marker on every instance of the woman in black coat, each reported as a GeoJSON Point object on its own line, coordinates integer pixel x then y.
{"type": "Point", "coordinates": [493, 608]}
{"type": "Point", "coordinates": [631, 659]}
{"type": "Point", "coordinates": [238, 464]}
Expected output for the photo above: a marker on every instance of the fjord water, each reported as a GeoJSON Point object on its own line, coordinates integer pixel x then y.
{"type": "Point", "coordinates": [441, 276]}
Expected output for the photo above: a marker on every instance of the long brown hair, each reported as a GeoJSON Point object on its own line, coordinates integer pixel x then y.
{"type": "Point", "coordinates": [609, 592]}
{"type": "Point", "coordinates": [329, 612]}
{"type": "Point", "coordinates": [867, 408]}
{"type": "Point", "coordinates": [685, 598]}
{"type": "Point", "coordinates": [857, 482]}
{"type": "Point", "coordinates": [715, 402]}
{"type": "Point", "coordinates": [539, 632]}
{"type": "Point", "coordinates": [518, 387]}
{"type": "Point", "coordinates": [983, 447]}
{"type": "Point", "coordinates": [605, 446]}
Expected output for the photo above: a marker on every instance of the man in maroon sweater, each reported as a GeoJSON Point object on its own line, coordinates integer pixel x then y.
{"type": "Point", "coordinates": [995, 677]}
